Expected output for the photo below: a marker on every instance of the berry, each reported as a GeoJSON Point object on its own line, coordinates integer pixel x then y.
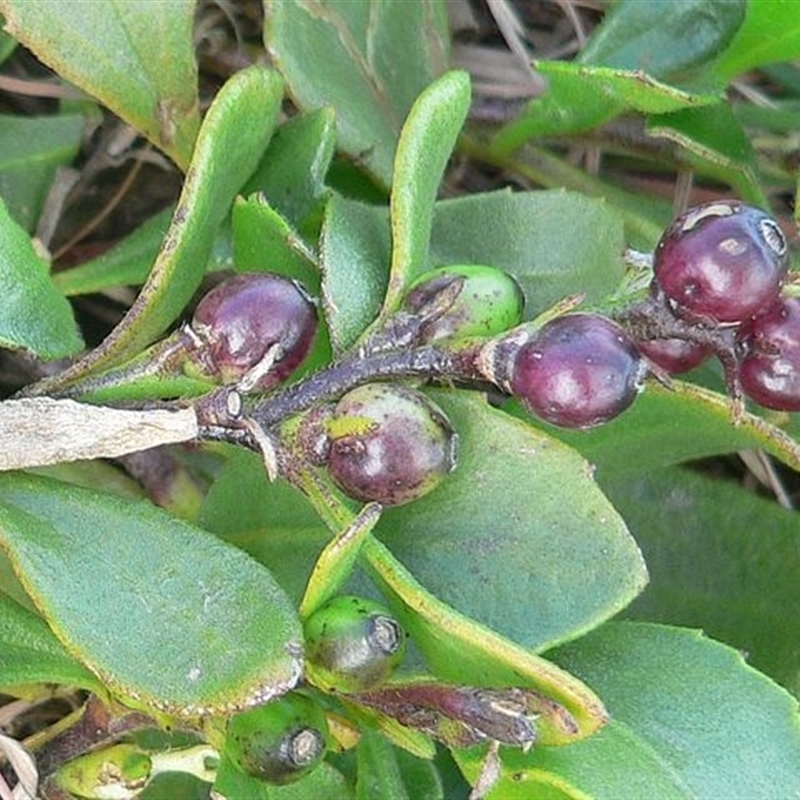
{"type": "Point", "coordinates": [577, 371]}
{"type": "Point", "coordinates": [253, 329]}
{"type": "Point", "coordinates": [675, 355]}
{"type": "Point", "coordinates": [485, 301]}
{"type": "Point", "coordinates": [279, 742]}
{"type": "Point", "coordinates": [770, 371]}
{"type": "Point", "coordinates": [721, 262]}
{"type": "Point", "coordinates": [389, 444]}
{"type": "Point", "coordinates": [352, 645]}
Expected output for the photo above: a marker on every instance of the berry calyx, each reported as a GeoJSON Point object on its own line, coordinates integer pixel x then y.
{"type": "Point", "coordinates": [483, 301]}
{"type": "Point", "coordinates": [352, 645]}
{"type": "Point", "coordinates": [253, 329]}
{"type": "Point", "coordinates": [675, 356]}
{"type": "Point", "coordinates": [279, 742]}
{"type": "Point", "coordinates": [769, 373]}
{"type": "Point", "coordinates": [577, 371]}
{"type": "Point", "coordinates": [721, 262]}
{"type": "Point", "coordinates": [389, 444]}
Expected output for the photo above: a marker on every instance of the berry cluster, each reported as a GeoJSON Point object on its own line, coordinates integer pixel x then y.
{"type": "Point", "coordinates": [718, 272]}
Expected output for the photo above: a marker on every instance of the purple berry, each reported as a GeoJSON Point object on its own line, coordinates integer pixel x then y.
{"type": "Point", "coordinates": [721, 262]}
{"type": "Point", "coordinates": [578, 370]}
{"type": "Point", "coordinates": [389, 444]}
{"type": "Point", "coordinates": [675, 355]}
{"type": "Point", "coordinates": [254, 329]}
{"type": "Point", "coordinates": [770, 372]}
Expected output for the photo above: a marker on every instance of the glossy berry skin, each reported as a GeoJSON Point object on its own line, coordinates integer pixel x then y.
{"type": "Point", "coordinates": [770, 372]}
{"type": "Point", "coordinates": [254, 327]}
{"type": "Point", "coordinates": [389, 444]}
{"type": "Point", "coordinates": [279, 742]}
{"type": "Point", "coordinates": [488, 301]}
{"type": "Point", "coordinates": [352, 645]}
{"type": "Point", "coordinates": [578, 371]}
{"type": "Point", "coordinates": [721, 262]}
{"type": "Point", "coordinates": [674, 356]}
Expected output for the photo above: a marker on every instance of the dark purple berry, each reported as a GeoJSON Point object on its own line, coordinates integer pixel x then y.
{"type": "Point", "coordinates": [770, 371]}
{"type": "Point", "coordinates": [279, 742]}
{"type": "Point", "coordinates": [675, 355]}
{"type": "Point", "coordinates": [352, 645]}
{"type": "Point", "coordinates": [484, 301]}
{"type": "Point", "coordinates": [389, 444]}
{"type": "Point", "coordinates": [577, 371]}
{"type": "Point", "coordinates": [254, 329]}
{"type": "Point", "coordinates": [721, 262]}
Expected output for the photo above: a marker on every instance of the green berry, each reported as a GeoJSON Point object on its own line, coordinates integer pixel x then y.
{"type": "Point", "coordinates": [352, 645]}
{"type": "Point", "coordinates": [472, 300]}
{"type": "Point", "coordinates": [279, 742]}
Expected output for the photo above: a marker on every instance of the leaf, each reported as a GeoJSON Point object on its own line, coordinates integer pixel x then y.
{"type": "Point", "coordinates": [129, 262]}
{"type": "Point", "coordinates": [354, 258]}
{"type": "Point", "coordinates": [171, 619]}
{"type": "Point", "coordinates": [714, 144]}
{"type": "Point", "coordinates": [35, 315]}
{"type": "Point", "coordinates": [721, 557]}
{"type": "Point", "coordinates": [30, 653]}
{"type": "Point", "coordinates": [426, 143]}
{"type": "Point", "coordinates": [770, 33]}
{"type": "Point", "coordinates": [518, 537]}
{"type": "Point", "coordinates": [233, 137]}
{"type": "Point", "coordinates": [690, 701]}
{"type": "Point", "coordinates": [135, 56]}
{"type": "Point", "coordinates": [324, 781]}
{"type": "Point", "coordinates": [292, 172]}
{"type": "Point", "coordinates": [665, 427]}
{"type": "Point", "coordinates": [387, 772]}
{"type": "Point", "coordinates": [663, 39]}
{"type": "Point", "coordinates": [581, 97]}
{"type": "Point", "coordinates": [523, 233]}
{"type": "Point", "coordinates": [7, 43]}
{"type": "Point", "coordinates": [31, 149]}
{"type": "Point", "coordinates": [377, 58]}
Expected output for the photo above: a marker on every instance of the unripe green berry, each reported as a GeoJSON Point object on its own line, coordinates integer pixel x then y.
{"type": "Point", "coordinates": [352, 645]}
{"type": "Point", "coordinates": [487, 301]}
{"type": "Point", "coordinates": [389, 444]}
{"type": "Point", "coordinates": [279, 742]}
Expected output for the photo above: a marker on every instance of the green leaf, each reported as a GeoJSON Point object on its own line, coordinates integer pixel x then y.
{"type": "Point", "coordinates": [377, 58]}
{"type": "Point", "coordinates": [770, 33]}
{"type": "Point", "coordinates": [665, 427]}
{"type": "Point", "coordinates": [129, 262]}
{"type": "Point", "coordinates": [426, 143]}
{"type": "Point", "coordinates": [35, 316]}
{"type": "Point", "coordinates": [580, 97]}
{"type": "Point", "coordinates": [135, 56]}
{"type": "Point", "coordinates": [323, 782]}
{"type": "Point", "coordinates": [292, 172]}
{"type": "Point", "coordinates": [233, 137]}
{"type": "Point", "coordinates": [30, 652]}
{"type": "Point", "coordinates": [354, 259]}
{"type": "Point", "coordinates": [690, 701]}
{"type": "Point", "coordinates": [7, 43]}
{"type": "Point", "coordinates": [386, 772]}
{"type": "Point", "coordinates": [663, 39]}
{"type": "Point", "coordinates": [263, 240]}
{"type": "Point", "coordinates": [519, 537]}
{"type": "Point", "coordinates": [715, 144]}
{"type": "Point", "coordinates": [171, 619]}
{"type": "Point", "coordinates": [721, 557]}
{"type": "Point", "coordinates": [523, 233]}
{"type": "Point", "coordinates": [31, 149]}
